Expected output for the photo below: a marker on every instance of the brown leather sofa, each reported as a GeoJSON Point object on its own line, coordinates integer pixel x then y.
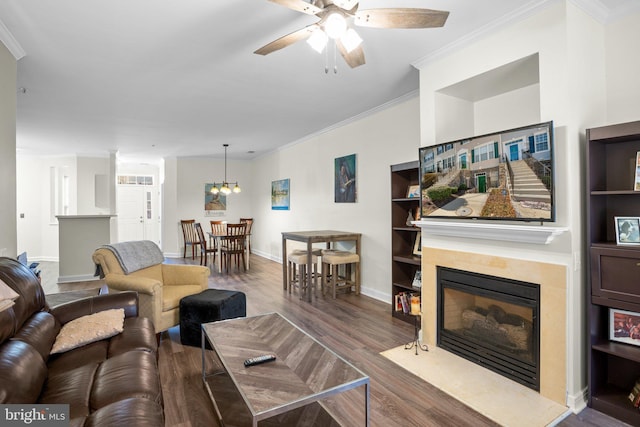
{"type": "Point", "coordinates": [112, 382]}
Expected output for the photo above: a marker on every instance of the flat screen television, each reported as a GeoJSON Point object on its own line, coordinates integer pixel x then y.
{"type": "Point", "coordinates": [506, 175]}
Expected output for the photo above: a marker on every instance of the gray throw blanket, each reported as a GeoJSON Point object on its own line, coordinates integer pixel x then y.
{"type": "Point", "coordinates": [136, 255]}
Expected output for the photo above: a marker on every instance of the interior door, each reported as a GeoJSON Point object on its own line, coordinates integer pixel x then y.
{"type": "Point", "coordinates": [131, 213]}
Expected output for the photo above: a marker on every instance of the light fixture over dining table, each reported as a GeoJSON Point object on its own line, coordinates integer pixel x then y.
{"type": "Point", "coordinates": [223, 187]}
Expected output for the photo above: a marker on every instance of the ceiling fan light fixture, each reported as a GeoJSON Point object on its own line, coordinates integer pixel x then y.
{"type": "Point", "coordinates": [351, 40]}
{"type": "Point", "coordinates": [335, 25]}
{"type": "Point", "coordinates": [318, 40]}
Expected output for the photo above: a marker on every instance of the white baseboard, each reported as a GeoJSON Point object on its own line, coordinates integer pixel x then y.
{"type": "Point", "coordinates": [577, 402]}
{"type": "Point", "coordinates": [78, 278]}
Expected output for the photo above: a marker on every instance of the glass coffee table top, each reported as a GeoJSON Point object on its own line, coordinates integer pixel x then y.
{"type": "Point", "coordinates": [304, 372]}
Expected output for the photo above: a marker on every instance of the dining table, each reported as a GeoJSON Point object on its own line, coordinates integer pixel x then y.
{"type": "Point", "coordinates": [311, 237]}
{"type": "Point", "coordinates": [218, 238]}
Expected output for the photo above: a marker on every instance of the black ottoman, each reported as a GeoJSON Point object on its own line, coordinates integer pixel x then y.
{"type": "Point", "coordinates": [208, 306]}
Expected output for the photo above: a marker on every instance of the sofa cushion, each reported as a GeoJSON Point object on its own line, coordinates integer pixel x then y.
{"type": "Point", "coordinates": [138, 334]}
{"type": "Point", "coordinates": [128, 412]}
{"type": "Point", "coordinates": [132, 374]}
{"type": "Point", "coordinates": [94, 353]}
{"type": "Point", "coordinates": [39, 331]}
{"type": "Point", "coordinates": [24, 282]}
{"type": "Point", "coordinates": [22, 372]}
{"type": "Point", "coordinates": [71, 387]}
{"type": "Point", "coordinates": [87, 329]}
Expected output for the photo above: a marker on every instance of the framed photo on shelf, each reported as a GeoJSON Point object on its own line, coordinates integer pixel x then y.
{"type": "Point", "coordinates": [413, 192]}
{"type": "Point", "coordinates": [636, 173]}
{"type": "Point", "coordinates": [627, 230]}
{"type": "Point", "coordinates": [624, 326]}
{"type": "Point", "coordinates": [417, 245]}
{"type": "Point", "coordinates": [417, 280]}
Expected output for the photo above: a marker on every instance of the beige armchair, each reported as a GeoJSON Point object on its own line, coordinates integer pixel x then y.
{"type": "Point", "coordinates": [160, 287]}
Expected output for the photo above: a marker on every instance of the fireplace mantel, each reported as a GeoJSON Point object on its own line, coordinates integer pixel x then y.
{"type": "Point", "coordinates": [535, 234]}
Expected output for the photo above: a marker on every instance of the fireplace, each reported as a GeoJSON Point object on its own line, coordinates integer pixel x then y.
{"type": "Point", "coordinates": [491, 321]}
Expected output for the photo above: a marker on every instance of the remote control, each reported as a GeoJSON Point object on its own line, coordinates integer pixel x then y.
{"type": "Point", "coordinates": [259, 359]}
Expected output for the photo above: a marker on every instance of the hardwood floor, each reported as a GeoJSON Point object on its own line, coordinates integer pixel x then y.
{"type": "Point", "coordinates": [356, 327]}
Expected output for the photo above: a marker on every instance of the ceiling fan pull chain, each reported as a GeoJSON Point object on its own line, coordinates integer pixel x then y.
{"type": "Point", "coordinates": [335, 61]}
{"type": "Point", "coordinates": [326, 61]}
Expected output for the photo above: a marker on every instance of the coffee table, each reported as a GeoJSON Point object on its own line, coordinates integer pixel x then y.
{"type": "Point", "coordinates": [278, 392]}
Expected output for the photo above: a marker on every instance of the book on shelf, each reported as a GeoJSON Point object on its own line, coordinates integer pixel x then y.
{"type": "Point", "coordinates": [408, 302]}
{"type": "Point", "coordinates": [398, 301]}
{"type": "Point", "coordinates": [405, 302]}
{"type": "Point", "coordinates": [634, 395]}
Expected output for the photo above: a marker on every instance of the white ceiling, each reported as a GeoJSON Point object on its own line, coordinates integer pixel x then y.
{"type": "Point", "coordinates": [158, 78]}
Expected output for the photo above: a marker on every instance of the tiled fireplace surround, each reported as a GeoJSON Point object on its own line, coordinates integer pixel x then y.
{"type": "Point", "coordinates": [552, 279]}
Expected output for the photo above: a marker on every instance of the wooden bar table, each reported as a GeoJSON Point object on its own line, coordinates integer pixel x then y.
{"type": "Point", "coordinates": [311, 237]}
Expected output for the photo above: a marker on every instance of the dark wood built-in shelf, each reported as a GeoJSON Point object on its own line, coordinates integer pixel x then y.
{"type": "Point", "coordinates": [614, 367]}
{"type": "Point", "coordinates": [404, 263]}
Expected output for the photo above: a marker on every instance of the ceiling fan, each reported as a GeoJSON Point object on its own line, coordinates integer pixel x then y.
{"type": "Point", "coordinates": [334, 24]}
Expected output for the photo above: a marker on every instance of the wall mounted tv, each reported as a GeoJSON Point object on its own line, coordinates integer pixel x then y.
{"type": "Point", "coordinates": [506, 175]}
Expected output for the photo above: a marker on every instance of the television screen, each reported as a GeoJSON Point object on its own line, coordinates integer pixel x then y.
{"type": "Point", "coordinates": [506, 175]}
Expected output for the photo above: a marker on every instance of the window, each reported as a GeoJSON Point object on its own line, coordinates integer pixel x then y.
{"type": "Point", "coordinates": [484, 153]}
{"type": "Point", "coordinates": [541, 141]}
{"type": "Point", "coordinates": [135, 180]}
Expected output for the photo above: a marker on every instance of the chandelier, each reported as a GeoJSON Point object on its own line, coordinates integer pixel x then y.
{"type": "Point", "coordinates": [223, 187]}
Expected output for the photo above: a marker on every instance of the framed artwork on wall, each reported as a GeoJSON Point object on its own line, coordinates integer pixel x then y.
{"type": "Point", "coordinates": [345, 179]}
{"type": "Point", "coordinates": [627, 230]}
{"type": "Point", "coordinates": [214, 204]}
{"type": "Point", "coordinates": [280, 195]}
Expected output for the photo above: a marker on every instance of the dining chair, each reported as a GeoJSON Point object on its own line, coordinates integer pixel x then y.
{"type": "Point", "coordinates": [218, 227]}
{"type": "Point", "coordinates": [233, 245]}
{"type": "Point", "coordinates": [249, 222]}
{"type": "Point", "coordinates": [190, 237]}
{"type": "Point", "coordinates": [204, 250]}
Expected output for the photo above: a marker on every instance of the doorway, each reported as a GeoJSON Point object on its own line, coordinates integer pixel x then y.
{"type": "Point", "coordinates": [138, 214]}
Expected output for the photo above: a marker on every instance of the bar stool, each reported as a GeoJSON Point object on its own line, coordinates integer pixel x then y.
{"type": "Point", "coordinates": [297, 264]}
{"type": "Point", "coordinates": [333, 259]}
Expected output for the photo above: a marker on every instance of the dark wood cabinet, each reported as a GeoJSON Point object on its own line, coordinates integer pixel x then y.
{"type": "Point", "coordinates": [404, 263]}
{"type": "Point", "coordinates": [614, 270]}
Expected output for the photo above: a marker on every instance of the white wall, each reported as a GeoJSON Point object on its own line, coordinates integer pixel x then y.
{"type": "Point", "coordinates": [87, 169]}
{"type": "Point", "coordinates": [387, 137]}
{"type": "Point", "coordinates": [38, 230]}
{"type": "Point", "coordinates": [8, 73]}
{"type": "Point", "coordinates": [623, 70]}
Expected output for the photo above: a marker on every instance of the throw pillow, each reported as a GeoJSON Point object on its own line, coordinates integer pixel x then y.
{"type": "Point", "coordinates": [87, 329]}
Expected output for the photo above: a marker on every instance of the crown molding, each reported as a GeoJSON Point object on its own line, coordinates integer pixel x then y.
{"type": "Point", "coordinates": [413, 94]}
{"type": "Point", "coordinates": [517, 15]}
{"type": "Point", "coordinates": [593, 8]}
{"type": "Point", "coordinates": [10, 42]}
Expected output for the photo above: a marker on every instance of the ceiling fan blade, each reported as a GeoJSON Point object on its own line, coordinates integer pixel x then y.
{"type": "Point", "coordinates": [401, 18]}
{"type": "Point", "coordinates": [355, 58]}
{"type": "Point", "coordinates": [299, 5]}
{"type": "Point", "coordinates": [287, 40]}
